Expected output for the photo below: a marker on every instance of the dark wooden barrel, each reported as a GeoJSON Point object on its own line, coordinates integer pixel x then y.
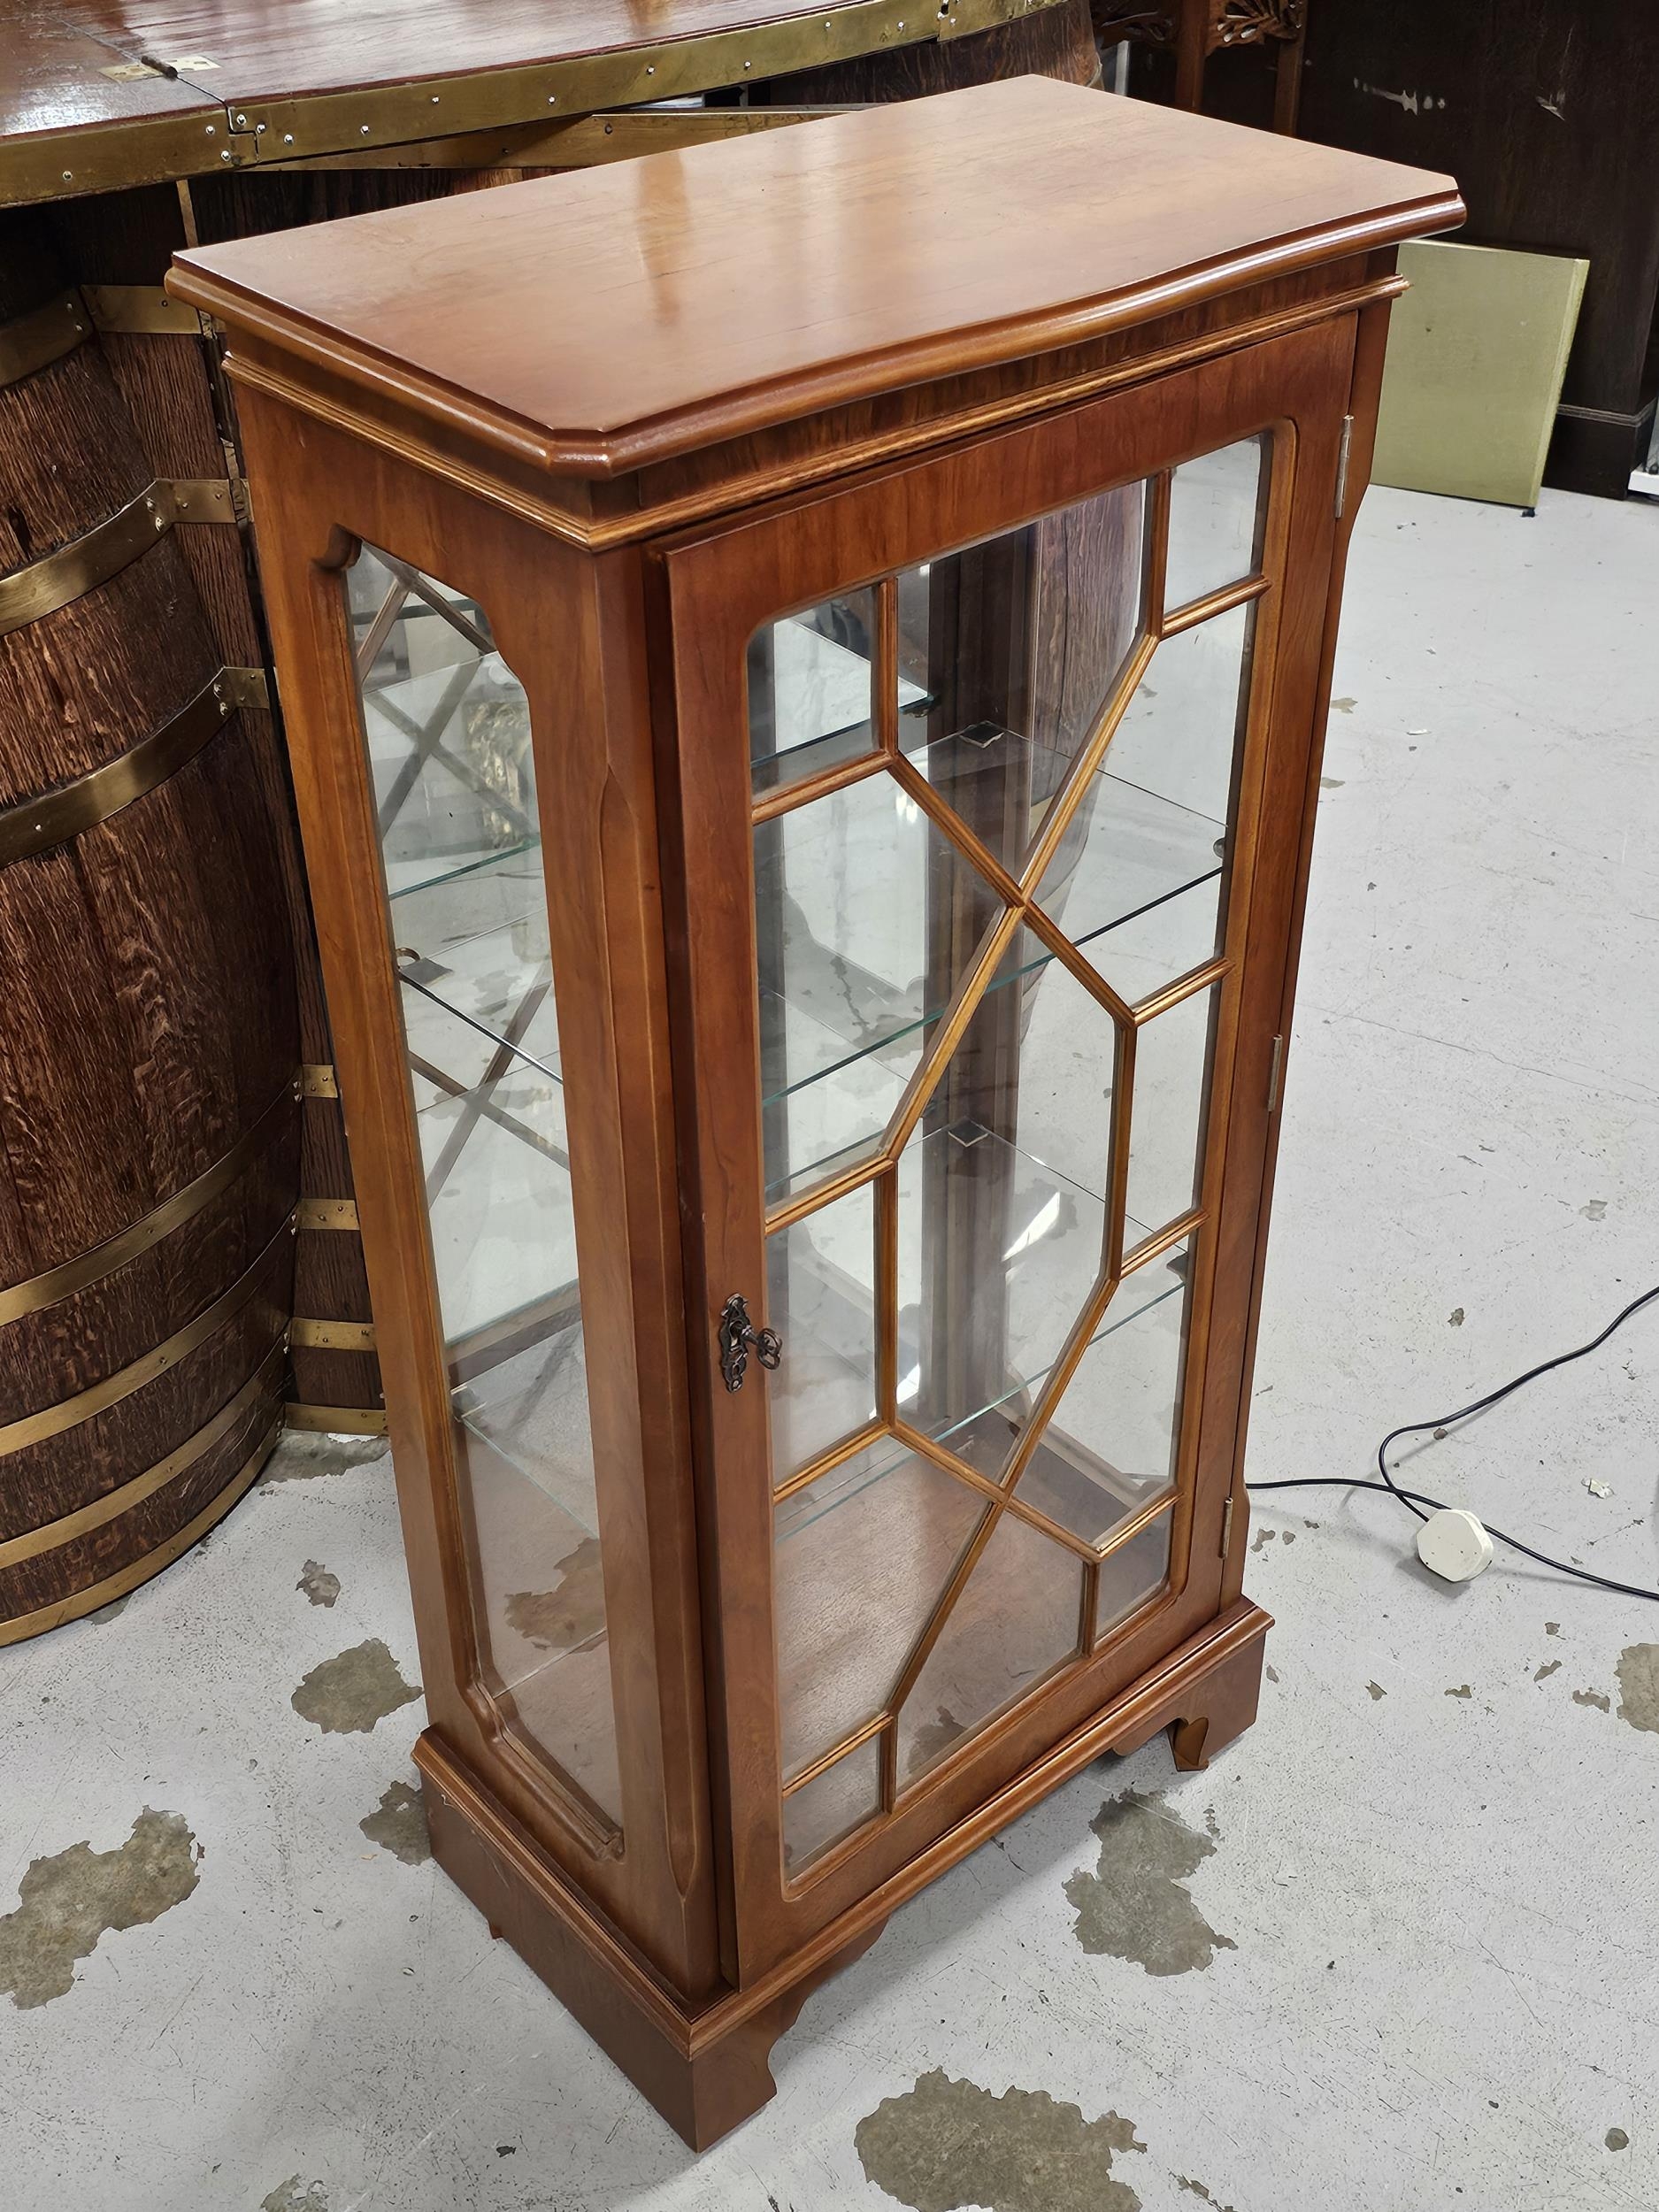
{"type": "Point", "coordinates": [150, 1046]}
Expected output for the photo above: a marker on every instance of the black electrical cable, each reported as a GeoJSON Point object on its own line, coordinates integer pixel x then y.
{"type": "Point", "coordinates": [1415, 1499]}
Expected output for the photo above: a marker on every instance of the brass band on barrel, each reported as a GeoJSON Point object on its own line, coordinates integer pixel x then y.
{"type": "Point", "coordinates": [56, 579]}
{"type": "Point", "coordinates": [91, 1266]}
{"type": "Point", "coordinates": [36, 339]}
{"type": "Point", "coordinates": [126, 1495]}
{"type": "Point", "coordinates": [151, 1563]}
{"type": "Point", "coordinates": [34, 825]}
{"type": "Point", "coordinates": [68, 1413]}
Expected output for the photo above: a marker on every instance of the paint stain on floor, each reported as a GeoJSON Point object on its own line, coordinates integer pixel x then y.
{"type": "Point", "coordinates": [945, 2144]}
{"type": "Point", "coordinates": [349, 1693]}
{"type": "Point", "coordinates": [66, 1903]}
{"type": "Point", "coordinates": [1544, 1672]}
{"type": "Point", "coordinates": [1134, 1906]}
{"type": "Point", "coordinates": [1462, 1689]}
{"type": "Point", "coordinates": [1638, 1686]}
{"type": "Point", "coordinates": [318, 1585]}
{"type": "Point", "coordinates": [1191, 2188]}
{"type": "Point", "coordinates": [300, 1458]}
{"type": "Point", "coordinates": [1593, 1697]}
{"type": "Point", "coordinates": [398, 1824]}
{"type": "Point", "coordinates": [560, 1618]}
{"type": "Point", "coordinates": [295, 2195]}
{"type": "Point", "coordinates": [1375, 1690]}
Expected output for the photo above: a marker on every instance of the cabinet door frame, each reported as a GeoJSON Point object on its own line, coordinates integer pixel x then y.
{"type": "Point", "coordinates": [714, 589]}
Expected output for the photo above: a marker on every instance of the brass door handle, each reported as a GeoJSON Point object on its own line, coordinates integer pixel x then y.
{"type": "Point", "coordinates": [739, 1337]}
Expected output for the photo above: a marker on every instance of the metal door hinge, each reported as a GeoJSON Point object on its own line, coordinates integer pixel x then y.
{"type": "Point", "coordinates": [1226, 1525]}
{"type": "Point", "coordinates": [739, 1337]}
{"type": "Point", "coordinates": [1273, 1074]}
{"type": "Point", "coordinates": [1341, 465]}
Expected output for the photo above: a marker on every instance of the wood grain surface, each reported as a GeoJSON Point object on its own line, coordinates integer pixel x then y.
{"type": "Point", "coordinates": [727, 287]}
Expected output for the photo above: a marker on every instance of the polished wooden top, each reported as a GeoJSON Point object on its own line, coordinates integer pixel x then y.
{"type": "Point", "coordinates": [599, 322]}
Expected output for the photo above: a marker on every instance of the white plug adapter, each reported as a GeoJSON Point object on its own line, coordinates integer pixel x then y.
{"type": "Point", "coordinates": [1452, 1544]}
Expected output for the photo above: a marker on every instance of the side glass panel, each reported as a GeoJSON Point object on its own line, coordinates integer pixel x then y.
{"type": "Point", "coordinates": [991, 953]}
{"type": "Point", "coordinates": [447, 728]}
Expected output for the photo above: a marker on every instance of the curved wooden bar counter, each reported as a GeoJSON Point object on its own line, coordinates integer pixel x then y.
{"type": "Point", "coordinates": [180, 1267]}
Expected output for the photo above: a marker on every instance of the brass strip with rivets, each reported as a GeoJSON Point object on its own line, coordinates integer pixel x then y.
{"type": "Point", "coordinates": [105, 550]}
{"type": "Point", "coordinates": [86, 562]}
{"type": "Point", "coordinates": [98, 1594]}
{"type": "Point", "coordinates": [93, 1266]}
{"type": "Point", "coordinates": [126, 1495]}
{"type": "Point", "coordinates": [336, 1420]}
{"type": "Point", "coordinates": [140, 310]}
{"type": "Point", "coordinates": [36, 339]}
{"type": "Point", "coordinates": [319, 1081]}
{"type": "Point", "coordinates": [34, 825]}
{"type": "Point", "coordinates": [68, 1413]}
{"type": "Point", "coordinates": [328, 1213]}
{"type": "Point", "coordinates": [331, 1336]}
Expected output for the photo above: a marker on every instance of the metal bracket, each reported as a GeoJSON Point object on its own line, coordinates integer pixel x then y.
{"type": "Point", "coordinates": [318, 1079]}
{"type": "Point", "coordinates": [739, 1337]}
{"type": "Point", "coordinates": [1341, 465]}
{"type": "Point", "coordinates": [327, 1213]}
{"type": "Point", "coordinates": [36, 339]}
{"type": "Point", "coordinates": [335, 1420]}
{"type": "Point", "coordinates": [209, 498]}
{"type": "Point", "coordinates": [332, 1336]}
{"type": "Point", "coordinates": [140, 310]}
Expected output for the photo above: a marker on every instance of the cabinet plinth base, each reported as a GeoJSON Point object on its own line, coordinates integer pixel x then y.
{"type": "Point", "coordinates": [707, 2069]}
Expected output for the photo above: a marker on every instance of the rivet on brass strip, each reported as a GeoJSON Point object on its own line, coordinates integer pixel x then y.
{"type": "Point", "coordinates": [319, 1080]}
{"type": "Point", "coordinates": [327, 1213]}
{"type": "Point", "coordinates": [34, 1428]}
{"type": "Point", "coordinates": [35, 340]}
{"type": "Point", "coordinates": [117, 1586]}
{"type": "Point", "coordinates": [332, 1336]}
{"type": "Point", "coordinates": [140, 310]}
{"type": "Point", "coordinates": [209, 498]}
{"type": "Point", "coordinates": [92, 1266]}
{"type": "Point", "coordinates": [86, 562]}
{"type": "Point", "coordinates": [52, 1535]}
{"type": "Point", "coordinates": [336, 1420]}
{"type": "Point", "coordinates": [34, 825]}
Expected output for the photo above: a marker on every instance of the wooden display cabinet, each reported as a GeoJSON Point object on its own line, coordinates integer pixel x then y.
{"type": "Point", "coordinates": [846, 614]}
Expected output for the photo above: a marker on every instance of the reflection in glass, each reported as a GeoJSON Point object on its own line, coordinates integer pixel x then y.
{"type": "Point", "coordinates": [1172, 1056]}
{"type": "Point", "coordinates": [821, 1300]}
{"type": "Point", "coordinates": [866, 917]}
{"type": "Point", "coordinates": [1138, 880]}
{"type": "Point", "coordinates": [810, 698]}
{"type": "Point", "coordinates": [447, 728]}
{"type": "Point", "coordinates": [1017, 1620]}
{"type": "Point", "coordinates": [861, 1557]}
{"type": "Point", "coordinates": [832, 1805]}
{"type": "Point", "coordinates": [1108, 1448]}
{"type": "Point", "coordinates": [1131, 1575]}
{"type": "Point", "coordinates": [1218, 510]}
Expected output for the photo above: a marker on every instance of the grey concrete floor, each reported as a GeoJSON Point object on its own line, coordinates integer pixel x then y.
{"type": "Point", "coordinates": [1398, 1950]}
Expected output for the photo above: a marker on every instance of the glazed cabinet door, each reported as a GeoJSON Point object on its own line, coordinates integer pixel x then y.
{"type": "Point", "coordinates": [988, 768]}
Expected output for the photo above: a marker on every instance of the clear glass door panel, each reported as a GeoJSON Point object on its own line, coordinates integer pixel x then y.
{"type": "Point", "coordinates": [866, 917]}
{"type": "Point", "coordinates": [821, 1300]}
{"type": "Point", "coordinates": [1010, 651]}
{"type": "Point", "coordinates": [1132, 1576]}
{"type": "Point", "coordinates": [861, 1557]}
{"type": "Point", "coordinates": [1173, 1056]}
{"type": "Point", "coordinates": [811, 700]}
{"type": "Point", "coordinates": [1108, 1449]}
{"type": "Point", "coordinates": [1138, 880]}
{"type": "Point", "coordinates": [447, 729]}
{"type": "Point", "coordinates": [832, 1805]}
{"type": "Point", "coordinates": [1015, 1621]}
{"type": "Point", "coordinates": [1218, 516]}
{"type": "Point", "coordinates": [1002, 1207]}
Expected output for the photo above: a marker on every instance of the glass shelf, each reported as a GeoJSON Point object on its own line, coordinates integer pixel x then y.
{"type": "Point", "coordinates": [1052, 1232]}
{"type": "Point", "coordinates": [851, 992]}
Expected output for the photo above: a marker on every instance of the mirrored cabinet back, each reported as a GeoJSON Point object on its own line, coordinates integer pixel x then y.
{"type": "Point", "coordinates": [805, 662]}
